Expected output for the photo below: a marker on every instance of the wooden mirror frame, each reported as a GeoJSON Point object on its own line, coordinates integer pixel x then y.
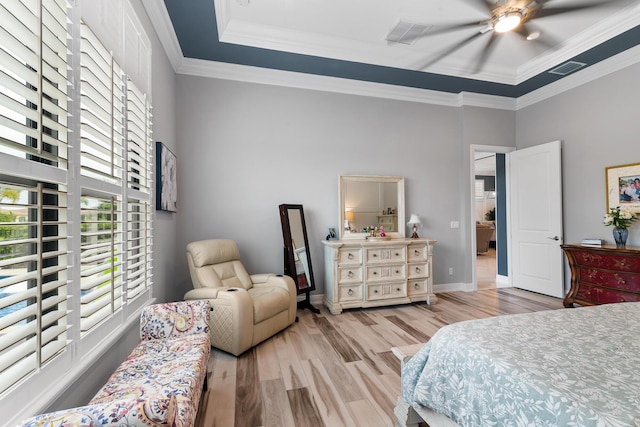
{"type": "Point", "coordinates": [306, 283]}
{"type": "Point", "coordinates": [398, 180]}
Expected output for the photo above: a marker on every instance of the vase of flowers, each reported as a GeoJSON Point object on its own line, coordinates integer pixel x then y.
{"type": "Point", "coordinates": [621, 219]}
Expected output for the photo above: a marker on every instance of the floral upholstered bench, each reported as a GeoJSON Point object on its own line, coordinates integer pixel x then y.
{"type": "Point", "coordinates": [161, 381]}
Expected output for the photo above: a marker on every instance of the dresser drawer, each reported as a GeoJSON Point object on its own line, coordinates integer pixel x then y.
{"type": "Point", "coordinates": [350, 256]}
{"type": "Point", "coordinates": [386, 272]}
{"type": "Point", "coordinates": [387, 290]}
{"type": "Point", "coordinates": [609, 279]}
{"type": "Point", "coordinates": [417, 253]}
{"type": "Point", "coordinates": [418, 270]}
{"type": "Point", "coordinates": [350, 274]}
{"type": "Point", "coordinates": [607, 261]}
{"type": "Point", "coordinates": [605, 296]}
{"type": "Point", "coordinates": [389, 254]}
{"type": "Point", "coordinates": [417, 286]}
{"type": "Point", "coordinates": [350, 293]}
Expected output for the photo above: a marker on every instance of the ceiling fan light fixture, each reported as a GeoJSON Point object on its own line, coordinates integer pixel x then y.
{"type": "Point", "coordinates": [507, 22]}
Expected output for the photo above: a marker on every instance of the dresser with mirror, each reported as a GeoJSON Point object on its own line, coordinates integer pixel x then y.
{"type": "Point", "coordinates": [365, 269]}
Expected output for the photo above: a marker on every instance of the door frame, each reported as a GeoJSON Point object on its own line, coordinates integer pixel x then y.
{"type": "Point", "coordinates": [497, 149]}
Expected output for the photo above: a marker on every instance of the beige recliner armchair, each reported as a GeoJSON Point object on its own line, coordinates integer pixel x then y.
{"type": "Point", "coordinates": [245, 309]}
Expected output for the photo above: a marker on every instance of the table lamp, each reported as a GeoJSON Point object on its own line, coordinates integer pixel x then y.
{"type": "Point", "coordinates": [414, 222]}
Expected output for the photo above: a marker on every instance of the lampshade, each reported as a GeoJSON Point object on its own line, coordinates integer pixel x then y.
{"type": "Point", "coordinates": [348, 215]}
{"type": "Point", "coordinates": [414, 220]}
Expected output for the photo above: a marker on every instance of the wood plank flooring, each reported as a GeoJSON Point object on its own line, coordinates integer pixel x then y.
{"type": "Point", "coordinates": [336, 371]}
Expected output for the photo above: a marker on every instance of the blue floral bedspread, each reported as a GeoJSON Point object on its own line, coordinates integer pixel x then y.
{"type": "Point", "coordinates": [567, 367]}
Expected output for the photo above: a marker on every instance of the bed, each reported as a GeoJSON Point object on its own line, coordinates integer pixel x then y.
{"type": "Point", "coordinates": [552, 368]}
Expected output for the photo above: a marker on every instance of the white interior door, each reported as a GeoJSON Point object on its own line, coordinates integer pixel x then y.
{"type": "Point", "coordinates": [535, 190]}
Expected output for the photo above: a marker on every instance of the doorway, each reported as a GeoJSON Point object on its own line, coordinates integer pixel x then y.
{"type": "Point", "coordinates": [488, 216]}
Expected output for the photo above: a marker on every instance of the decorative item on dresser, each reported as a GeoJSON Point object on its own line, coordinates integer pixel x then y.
{"type": "Point", "coordinates": [377, 273]}
{"type": "Point", "coordinates": [414, 223]}
{"type": "Point", "coordinates": [602, 275]}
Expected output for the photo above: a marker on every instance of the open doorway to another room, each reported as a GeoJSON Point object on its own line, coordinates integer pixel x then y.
{"type": "Point", "coordinates": [485, 219]}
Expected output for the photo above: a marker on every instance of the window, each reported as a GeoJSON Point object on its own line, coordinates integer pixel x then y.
{"type": "Point", "coordinates": [75, 217]}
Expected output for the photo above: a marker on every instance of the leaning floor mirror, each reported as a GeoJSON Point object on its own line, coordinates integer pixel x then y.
{"type": "Point", "coordinates": [297, 258]}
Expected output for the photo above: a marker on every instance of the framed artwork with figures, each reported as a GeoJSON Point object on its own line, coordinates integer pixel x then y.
{"type": "Point", "coordinates": [166, 185]}
{"type": "Point", "coordinates": [623, 186]}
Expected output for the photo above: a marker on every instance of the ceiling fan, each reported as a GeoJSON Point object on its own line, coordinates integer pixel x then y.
{"type": "Point", "coordinates": [505, 16]}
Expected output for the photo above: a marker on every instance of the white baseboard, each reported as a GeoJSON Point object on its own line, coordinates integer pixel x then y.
{"type": "Point", "coordinates": [452, 287]}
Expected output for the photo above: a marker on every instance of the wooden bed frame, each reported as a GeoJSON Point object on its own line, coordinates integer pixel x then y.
{"type": "Point", "coordinates": [407, 415]}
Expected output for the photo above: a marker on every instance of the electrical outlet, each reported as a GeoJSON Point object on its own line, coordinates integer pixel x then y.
{"type": "Point", "coordinates": [455, 224]}
{"type": "Point", "coordinates": [450, 271]}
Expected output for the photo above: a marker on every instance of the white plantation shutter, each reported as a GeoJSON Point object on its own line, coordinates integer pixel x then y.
{"type": "Point", "coordinates": [33, 209]}
{"type": "Point", "coordinates": [33, 288]}
{"type": "Point", "coordinates": [75, 173]}
{"type": "Point", "coordinates": [139, 242]}
{"type": "Point", "coordinates": [139, 245]}
{"type": "Point", "coordinates": [100, 261]}
{"type": "Point", "coordinates": [138, 140]}
{"type": "Point", "coordinates": [102, 111]}
{"type": "Point", "coordinates": [33, 82]}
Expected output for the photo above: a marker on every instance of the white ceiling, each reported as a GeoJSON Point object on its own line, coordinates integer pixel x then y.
{"type": "Point", "coordinates": [355, 30]}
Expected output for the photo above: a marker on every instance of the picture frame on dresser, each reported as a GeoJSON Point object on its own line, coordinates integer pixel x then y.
{"type": "Point", "coordinates": [623, 186]}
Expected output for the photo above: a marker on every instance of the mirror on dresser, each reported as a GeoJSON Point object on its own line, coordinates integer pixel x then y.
{"type": "Point", "coordinates": [371, 201]}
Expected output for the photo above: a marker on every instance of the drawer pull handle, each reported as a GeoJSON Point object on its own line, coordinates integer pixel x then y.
{"type": "Point", "coordinates": [397, 254]}
{"type": "Point", "coordinates": [624, 282]}
{"type": "Point", "coordinates": [397, 289]}
{"type": "Point", "coordinates": [350, 274]}
{"type": "Point", "coordinates": [375, 272]}
{"type": "Point", "coordinates": [416, 285]}
{"type": "Point", "coordinates": [417, 269]}
{"type": "Point", "coordinates": [397, 271]}
{"type": "Point", "coordinates": [375, 291]}
{"type": "Point", "coordinates": [350, 292]}
{"type": "Point", "coordinates": [375, 255]}
{"type": "Point", "coordinates": [350, 256]}
{"type": "Point", "coordinates": [622, 300]}
{"type": "Point", "coordinates": [416, 252]}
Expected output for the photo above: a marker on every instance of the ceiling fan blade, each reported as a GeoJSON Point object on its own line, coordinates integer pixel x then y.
{"type": "Point", "coordinates": [544, 12]}
{"type": "Point", "coordinates": [486, 52]}
{"type": "Point", "coordinates": [442, 29]}
{"type": "Point", "coordinates": [450, 50]}
{"type": "Point", "coordinates": [482, 5]}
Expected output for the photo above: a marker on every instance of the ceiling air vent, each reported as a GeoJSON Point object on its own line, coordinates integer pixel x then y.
{"type": "Point", "coordinates": [406, 32]}
{"type": "Point", "coordinates": [567, 68]}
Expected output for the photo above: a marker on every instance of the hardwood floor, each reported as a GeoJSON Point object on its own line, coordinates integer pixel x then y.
{"type": "Point", "coordinates": [486, 269]}
{"type": "Point", "coordinates": [335, 371]}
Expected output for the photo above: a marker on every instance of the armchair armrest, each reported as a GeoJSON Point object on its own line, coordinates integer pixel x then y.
{"type": "Point", "coordinates": [260, 278]}
{"type": "Point", "coordinates": [174, 319]}
{"type": "Point", "coordinates": [150, 411]}
{"type": "Point", "coordinates": [278, 281]}
{"type": "Point", "coordinates": [203, 293]}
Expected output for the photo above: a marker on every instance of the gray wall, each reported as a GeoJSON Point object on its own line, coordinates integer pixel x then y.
{"type": "Point", "coordinates": [598, 124]}
{"type": "Point", "coordinates": [246, 148]}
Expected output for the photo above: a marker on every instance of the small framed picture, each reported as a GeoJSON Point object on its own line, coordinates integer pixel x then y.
{"type": "Point", "coordinates": [623, 186]}
{"type": "Point", "coordinates": [333, 234]}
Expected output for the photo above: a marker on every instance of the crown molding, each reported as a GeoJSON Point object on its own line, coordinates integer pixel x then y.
{"type": "Point", "coordinates": [600, 32]}
{"type": "Point", "coordinates": [244, 73]}
{"type": "Point", "coordinates": [159, 17]}
{"type": "Point", "coordinates": [161, 22]}
{"type": "Point", "coordinates": [589, 74]}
